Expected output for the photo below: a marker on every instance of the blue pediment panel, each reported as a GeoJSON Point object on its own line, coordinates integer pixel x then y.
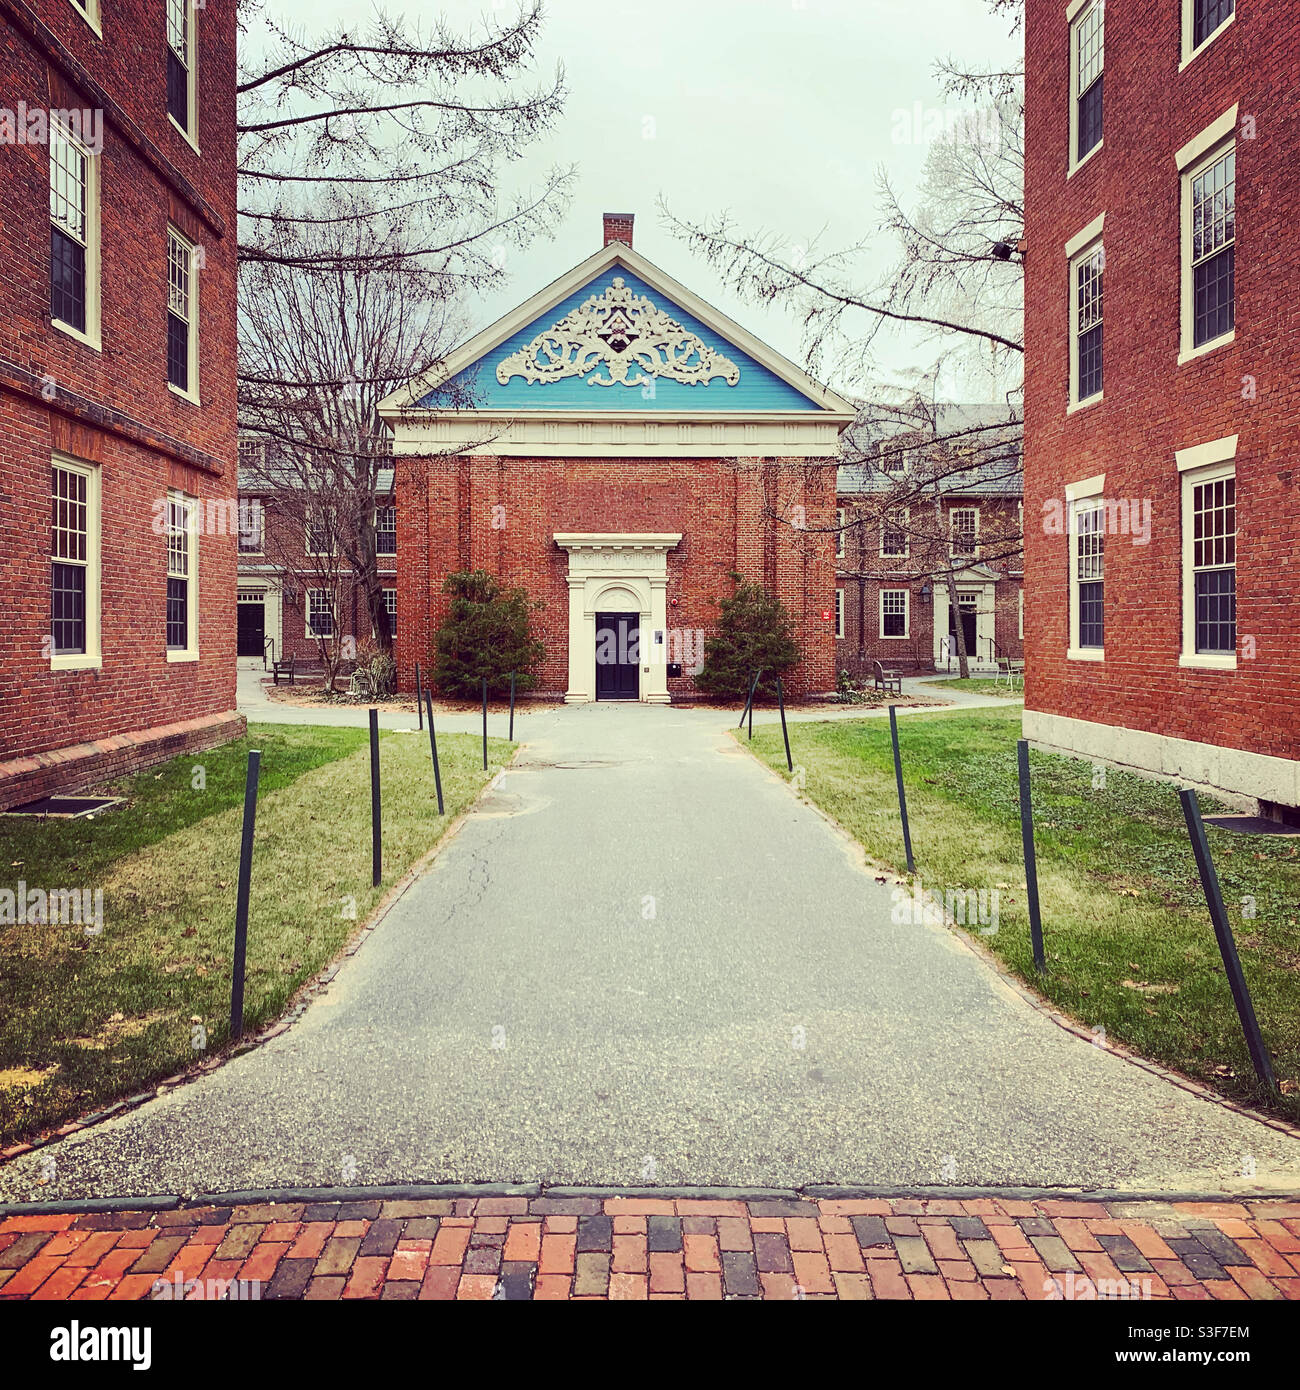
{"type": "Point", "coordinates": [617, 343]}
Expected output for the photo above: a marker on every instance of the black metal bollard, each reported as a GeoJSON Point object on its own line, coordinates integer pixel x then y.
{"type": "Point", "coordinates": [376, 833]}
{"type": "Point", "coordinates": [785, 733]}
{"type": "Point", "coordinates": [419, 703]}
{"type": "Point", "coordinates": [1031, 859]}
{"type": "Point", "coordinates": [484, 723]}
{"type": "Point", "coordinates": [749, 702]}
{"type": "Point", "coordinates": [1227, 946]}
{"type": "Point", "coordinates": [241, 898]}
{"type": "Point", "coordinates": [902, 795]}
{"type": "Point", "coordinates": [433, 751]}
{"type": "Point", "coordinates": [512, 707]}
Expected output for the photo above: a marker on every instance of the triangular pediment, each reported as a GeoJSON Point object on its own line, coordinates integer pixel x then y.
{"type": "Point", "coordinates": [617, 334]}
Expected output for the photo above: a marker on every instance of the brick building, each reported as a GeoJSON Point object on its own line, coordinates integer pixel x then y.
{"type": "Point", "coordinates": [643, 448]}
{"type": "Point", "coordinates": [117, 388]}
{"type": "Point", "coordinates": [1160, 415]}
{"type": "Point", "coordinates": [913, 509]}
{"type": "Point", "coordinates": [290, 598]}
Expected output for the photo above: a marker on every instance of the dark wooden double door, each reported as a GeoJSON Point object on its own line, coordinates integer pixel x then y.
{"type": "Point", "coordinates": [618, 655]}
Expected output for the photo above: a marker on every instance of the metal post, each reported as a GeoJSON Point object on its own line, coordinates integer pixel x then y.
{"type": "Point", "coordinates": [785, 733]}
{"type": "Point", "coordinates": [749, 699]}
{"type": "Point", "coordinates": [433, 750]}
{"type": "Point", "coordinates": [1227, 946]}
{"type": "Point", "coordinates": [419, 703]}
{"type": "Point", "coordinates": [376, 834]}
{"type": "Point", "coordinates": [241, 897]}
{"type": "Point", "coordinates": [484, 723]}
{"type": "Point", "coordinates": [512, 707]}
{"type": "Point", "coordinates": [902, 795]}
{"type": "Point", "coordinates": [1031, 859]}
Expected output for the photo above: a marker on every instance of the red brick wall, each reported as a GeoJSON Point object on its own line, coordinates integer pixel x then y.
{"type": "Point", "coordinates": [1152, 406]}
{"type": "Point", "coordinates": [113, 407]}
{"type": "Point", "coordinates": [445, 523]}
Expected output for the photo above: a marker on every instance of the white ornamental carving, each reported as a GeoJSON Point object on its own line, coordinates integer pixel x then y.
{"type": "Point", "coordinates": [618, 338]}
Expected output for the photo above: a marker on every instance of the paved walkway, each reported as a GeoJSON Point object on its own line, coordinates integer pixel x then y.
{"type": "Point", "coordinates": [643, 961]}
{"type": "Point", "coordinates": [519, 1248]}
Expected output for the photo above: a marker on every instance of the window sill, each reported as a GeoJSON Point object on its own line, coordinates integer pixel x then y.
{"type": "Point", "coordinates": [1086, 654]}
{"type": "Point", "coordinates": [90, 340]}
{"type": "Point", "coordinates": [179, 656]}
{"type": "Point", "coordinates": [1076, 406]}
{"type": "Point", "coordinates": [76, 661]}
{"type": "Point", "coordinates": [1078, 164]}
{"type": "Point", "coordinates": [902, 637]}
{"type": "Point", "coordinates": [183, 133]}
{"type": "Point", "coordinates": [1208, 661]}
{"type": "Point", "coordinates": [184, 395]}
{"type": "Point", "coordinates": [1191, 354]}
{"type": "Point", "coordinates": [1205, 43]}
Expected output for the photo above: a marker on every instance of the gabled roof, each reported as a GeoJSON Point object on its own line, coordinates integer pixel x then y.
{"type": "Point", "coordinates": [722, 355]}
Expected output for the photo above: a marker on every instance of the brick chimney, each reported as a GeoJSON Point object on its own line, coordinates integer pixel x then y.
{"type": "Point", "coordinates": [618, 227]}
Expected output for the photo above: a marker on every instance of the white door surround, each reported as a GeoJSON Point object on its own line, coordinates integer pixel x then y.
{"type": "Point", "coordinates": [618, 573]}
{"type": "Point", "coordinates": [981, 584]}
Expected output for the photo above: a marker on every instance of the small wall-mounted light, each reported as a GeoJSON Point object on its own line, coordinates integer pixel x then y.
{"type": "Point", "coordinates": [926, 591]}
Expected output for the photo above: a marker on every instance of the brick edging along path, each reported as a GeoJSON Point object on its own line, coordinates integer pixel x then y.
{"type": "Point", "coordinates": [669, 1247]}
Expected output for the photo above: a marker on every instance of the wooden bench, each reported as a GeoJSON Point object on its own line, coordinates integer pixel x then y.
{"type": "Point", "coordinates": [287, 668]}
{"type": "Point", "coordinates": [891, 682]}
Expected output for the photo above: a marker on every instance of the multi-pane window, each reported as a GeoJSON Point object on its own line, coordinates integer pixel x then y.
{"type": "Point", "coordinates": [965, 531]}
{"type": "Point", "coordinates": [318, 532]}
{"type": "Point", "coordinates": [1207, 16]}
{"type": "Point", "coordinates": [893, 612]}
{"type": "Point", "coordinates": [70, 226]}
{"type": "Point", "coordinates": [386, 531]}
{"type": "Point", "coordinates": [178, 62]}
{"type": "Point", "coordinates": [320, 613]}
{"type": "Point", "coordinates": [893, 459]}
{"type": "Point", "coordinates": [1090, 574]}
{"type": "Point", "coordinates": [893, 535]}
{"type": "Point", "coordinates": [251, 520]}
{"type": "Point", "coordinates": [70, 559]}
{"type": "Point", "coordinates": [1088, 314]}
{"type": "Point", "coordinates": [181, 306]}
{"type": "Point", "coordinates": [839, 612]}
{"type": "Point", "coordinates": [180, 572]}
{"type": "Point", "coordinates": [1089, 36]}
{"type": "Point", "coordinates": [390, 607]}
{"type": "Point", "coordinates": [1214, 565]}
{"type": "Point", "coordinates": [1213, 249]}
{"type": "Point", "coordinates": [839, 533]}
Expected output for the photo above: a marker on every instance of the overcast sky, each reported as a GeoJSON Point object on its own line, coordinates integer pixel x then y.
{"type": "Point", "coordinates": [779, 112]}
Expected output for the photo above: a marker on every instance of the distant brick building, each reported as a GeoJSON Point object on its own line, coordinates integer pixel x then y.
{"type": "Point", "coordinates": [117, 387]}
{"type": "Point", "coordinates": [895, 552]}
{"type": "Point", "coordinates": [644, 448]}
{"type": "Point", "coordinates": [281, 605]}
{"type": "Point", "coordinates": [1161, 416]}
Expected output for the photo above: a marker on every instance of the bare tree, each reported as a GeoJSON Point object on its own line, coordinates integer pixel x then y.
{"type": "Point", "coordinates": [369, 170]}
{"type": "Point", "coordinates": [957, 286]}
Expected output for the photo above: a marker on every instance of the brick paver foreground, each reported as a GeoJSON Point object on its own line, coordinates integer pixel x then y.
{"type": "Point", "coordinates": [637, 1248]}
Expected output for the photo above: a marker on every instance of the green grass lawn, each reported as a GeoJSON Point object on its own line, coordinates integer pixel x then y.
{"type": "Point", "coordinates": [91, 1018]}
{"type": "Point", "coordinates": [1128, 938]}
{"type": "Point", "coordinates": [979, 685]}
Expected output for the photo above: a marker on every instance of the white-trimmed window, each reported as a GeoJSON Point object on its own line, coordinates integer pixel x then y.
{"type": "Point", "coordinates": [1087, 538]}
{"type": "Point", "coordinates": [839, 612]}
{"type": "Point", "coordinates": [182, 610]}
{"type": "Point", "coordinates": [1210, 254]}
{"type": "Point", "coordinates": [1087, 71]}
{"type": "Point", "coordinates": [181, 53]}
{"type": "Point", "coordinates": [182, 316]}
{"type": "Point", "coordinates": [894, 612]}
{"type": "Point", "coordinates": [839, 532]}
{"type": "Point", "coordinates": [1203, 22]}
{"type": "Point", "coordinates": [894, 544]}
{"type": "Point", "coordinates": [1021, 628]}
{"type": "Point", "coordinates": [390, 607]}
{"type": "Point", "coordinates": [1209, 511]}
{"type": "Point", "coordinates": [1086, 274]}
{"type": "Point", "coordinates": [318, 530]}
{"type": "Point", "coordinates": [89, 11]}
{"type": "Point", "coordinates": [965, 524]}
{"type": "Point", "coordinates": [252, 523]}
{"type": "Point", "coordinates": [74, 236]}
{"type": "Point", "coordinates": [385, 531]}
{"type": "Point", "coordinates": [74, 564]}
{"type": "Point", "coordinates": [320, 613]}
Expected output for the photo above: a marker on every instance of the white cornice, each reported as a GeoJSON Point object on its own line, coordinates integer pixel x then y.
{"type": "Point", "coordinates": [402, 401]}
